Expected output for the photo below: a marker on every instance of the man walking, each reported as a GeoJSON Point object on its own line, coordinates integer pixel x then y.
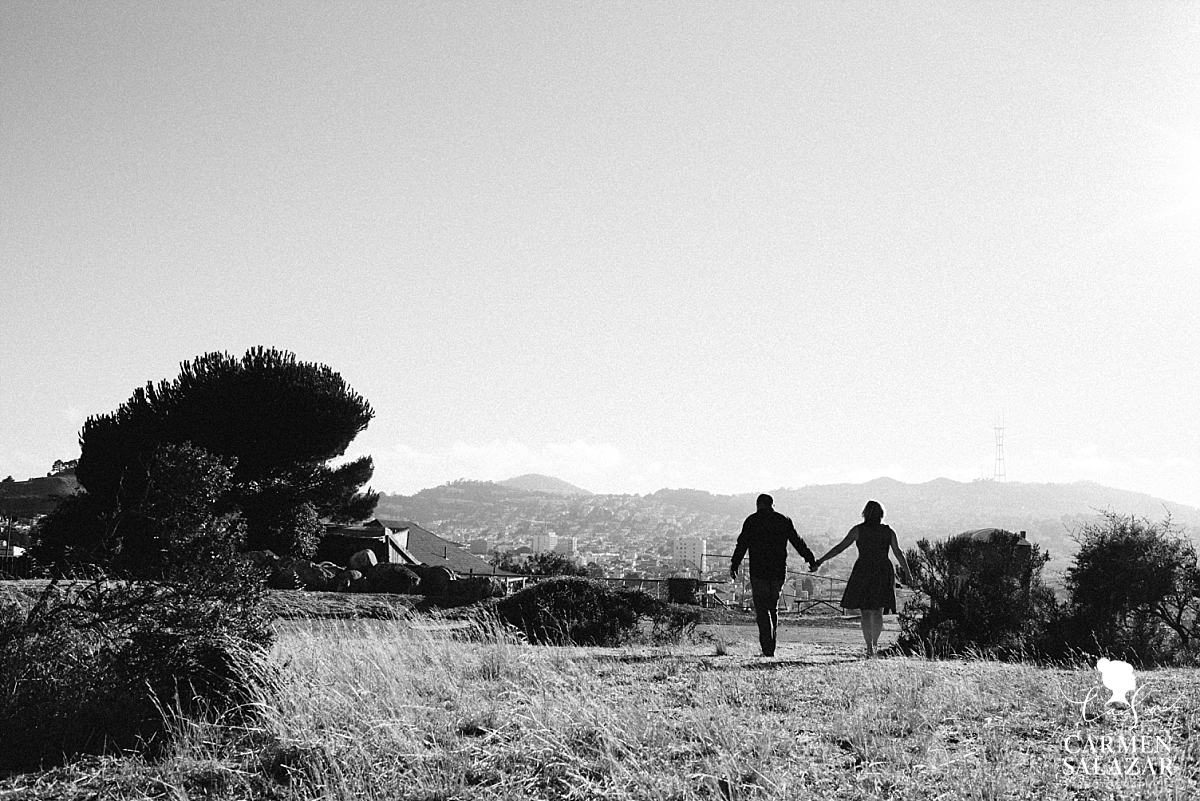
{"type": "Point", "coordinates": [766, 535]}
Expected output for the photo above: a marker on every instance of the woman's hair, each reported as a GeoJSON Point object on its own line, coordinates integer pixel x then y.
{"type": "Point", "coordinates": [873, 512]}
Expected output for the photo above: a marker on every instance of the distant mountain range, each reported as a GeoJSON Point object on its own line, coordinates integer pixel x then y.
{"type": "Point", "coordinates": [511, 510]}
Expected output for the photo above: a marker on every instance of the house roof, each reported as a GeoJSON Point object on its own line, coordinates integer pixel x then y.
{"type": "Point", "coordinates": [430, 549]}
{"type": "Point", "coordinates": [339, 543]}
{"type": "Point", "coordinates": [985, 534]}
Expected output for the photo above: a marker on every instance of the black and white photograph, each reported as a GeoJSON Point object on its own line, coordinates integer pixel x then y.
{"type": "Point", "coordinates": [527, 399]}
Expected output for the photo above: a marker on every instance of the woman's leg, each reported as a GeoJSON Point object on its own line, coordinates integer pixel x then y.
{"type": "Point", "coordinates": [877, 627]}
{"type": "Point", "coordinates": [872, 625]}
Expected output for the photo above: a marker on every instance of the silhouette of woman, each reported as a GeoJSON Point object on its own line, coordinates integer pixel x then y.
{"type": "Point", "coordinates": [871, 588]}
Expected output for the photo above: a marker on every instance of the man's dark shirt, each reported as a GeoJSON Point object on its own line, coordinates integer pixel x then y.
{"type": "Point", "coordinates": [766, 534]}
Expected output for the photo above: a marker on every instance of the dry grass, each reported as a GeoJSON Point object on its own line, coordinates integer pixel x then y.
{"type": "Point", "coordinates": [301, 604]}
{"type": "Point", "coordinates": [386, 710]}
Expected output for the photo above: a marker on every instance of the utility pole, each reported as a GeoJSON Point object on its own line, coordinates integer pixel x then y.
{"type": "Point", "coordinates": [998, 474]}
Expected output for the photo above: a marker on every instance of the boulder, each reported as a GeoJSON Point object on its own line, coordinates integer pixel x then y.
{"type": "Point", "coordinates": [266, 561]}
{"type": "Point", "coordinates": [285, 577]}
{"type": "Point", "coordinates": [435, 580]}
{"type": "Point", "coordinates": [295, 574]}
{"type": "Point", "coordinates": [392, 577]}
{"type": "Point", "coordinates": [476, 588]}
{"type": "Point", "coordinates": [363, 561]}
{"type": "Point", "coordinates": [314, 576]}
{"type": "Point", "coordinates": [343, 579]}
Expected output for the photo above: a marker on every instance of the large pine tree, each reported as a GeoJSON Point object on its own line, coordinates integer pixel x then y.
{"type": "Point", "coordinates": [278, 420]}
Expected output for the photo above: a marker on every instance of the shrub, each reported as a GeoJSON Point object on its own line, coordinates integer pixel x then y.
{"type": "Point", "coordinates": [92, 666]}
{"type": "Point", "coordinates": [977, 596]}
{"type": "Point", "coordinates": [548, 563]}
{"type": "Point", "coordinates": [178, 520]}
{"type": "Point", "coordinates": [570, 610]}
{"type": "Point", "coordinates": [1133, 591]}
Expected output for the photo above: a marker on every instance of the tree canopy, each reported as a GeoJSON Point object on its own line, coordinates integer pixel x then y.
{"type": "Point", "coordinates": [981, 596]}
{"type": "Point", "coordinates": [548, 563]}
{"type": "Point", "coordinates": [1135, 588]}
{"type": "Point", "coordinates": [278, 421]}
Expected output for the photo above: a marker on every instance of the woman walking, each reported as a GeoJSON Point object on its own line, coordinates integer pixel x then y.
{"type": "Point", "coordinates": [871, 588]}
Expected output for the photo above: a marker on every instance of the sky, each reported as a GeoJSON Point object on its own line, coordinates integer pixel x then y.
{"type": "Point", "coordinates": [634, 245]}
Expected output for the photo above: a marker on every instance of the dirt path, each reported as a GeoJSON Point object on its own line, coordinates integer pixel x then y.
{"type": "Point", "coordinates": [839, 634]}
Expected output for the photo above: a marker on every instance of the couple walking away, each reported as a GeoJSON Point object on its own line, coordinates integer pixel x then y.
{"type": "Point", "coordinates": [871, 588]}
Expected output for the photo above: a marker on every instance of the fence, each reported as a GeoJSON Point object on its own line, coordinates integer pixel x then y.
{"type": "Point", "coordinates": [17, 567]}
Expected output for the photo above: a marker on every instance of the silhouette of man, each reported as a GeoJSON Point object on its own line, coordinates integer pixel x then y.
{"type": "Point", "coordinates": [766, 535]}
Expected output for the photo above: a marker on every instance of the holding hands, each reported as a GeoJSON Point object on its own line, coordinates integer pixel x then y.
{"type": "Point", "coordinates": [814, 565]}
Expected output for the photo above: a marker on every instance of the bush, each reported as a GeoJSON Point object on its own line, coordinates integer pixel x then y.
{"type": "Point", "coordinates": [569, 610]}
{"type": "Point", "coordinates": [92, 666]}
{"type": "Point", "coordinates": [294, 530]}
{"type": "Point", "coordinates": [1133, 592]}
{"type": "Point", "coordinates": [177, 521]}
{"type": "Point", "coordinates": [548, 563]}
{"type": "Point", "coordinates": [977, 596]}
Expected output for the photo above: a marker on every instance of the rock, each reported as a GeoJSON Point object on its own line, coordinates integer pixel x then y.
{"type": "Point", "coordinates": [266, 561]}
{"type": "Point", "coordinates": [363, 561]}
{"type": "Point", "coordinates": [358, 583]}
{"type": "Point", "coordinates": [392, 577]}
{"type": "Point", "coordinates": [314, 576]}
{"type": "Point", "coordinates": [342, 579]}
{"type": "Point", "coordinates": [285, 577]}
{"type": "Point", "coordinates": [435, 580]}
{"type": "Point", "coordinates": [296, 574]}
{"type": "Point", "coordinates": [476, 588]}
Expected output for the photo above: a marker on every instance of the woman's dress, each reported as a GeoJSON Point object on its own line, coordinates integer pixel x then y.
{"type": "Point", "coordinates": [872, 583]}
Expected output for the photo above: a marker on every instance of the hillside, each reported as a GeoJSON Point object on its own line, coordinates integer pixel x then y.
{"type": "Point", "coordinates": [533, 482]}
{"type": "Point", "coordinates": [506, 516]}
{"type": "Point", "coordinates": [37, 496]}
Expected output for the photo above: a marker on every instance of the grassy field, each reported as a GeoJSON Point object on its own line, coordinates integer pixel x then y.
{"type": "Point", "coordinates": [364, 708]}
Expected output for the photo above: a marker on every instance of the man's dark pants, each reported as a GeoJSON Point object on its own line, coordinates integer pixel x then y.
{"type": "Point", "coordinates": [766, 599]}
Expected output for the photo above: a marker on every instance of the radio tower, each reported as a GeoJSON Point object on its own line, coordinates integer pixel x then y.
{"type": "Point", "coordinates": [999, 472]}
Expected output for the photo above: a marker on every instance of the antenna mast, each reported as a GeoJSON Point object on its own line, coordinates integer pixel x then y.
{"type": "Point", "coordinates": [998, 475]}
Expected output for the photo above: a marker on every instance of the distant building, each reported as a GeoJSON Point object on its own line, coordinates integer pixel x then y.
{"type": "Point", "coordinates": [543, 543]}
{"type": "Point", "coordinates": [688, 553]}
{"type": "Point", "coordinates": [424, 547]}
{"type": "Point", "coordinates": [569, 546]}
{"type": "Point", "coordinates": [480, 547]}
{"type": "Point", "coordinates": [401, 542]}
{"type": "Point", "coordinates": [339, 543]}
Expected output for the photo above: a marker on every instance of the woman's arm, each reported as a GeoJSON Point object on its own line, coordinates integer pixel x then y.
{"type": "Point", "coordinates": [851, 536]}
{"type": "Point", "coordinates": [905, 572]}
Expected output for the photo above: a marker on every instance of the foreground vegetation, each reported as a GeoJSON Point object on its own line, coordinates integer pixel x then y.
{"type": "Point", "coordinates": [384, 710]}
{"type": "Point", "coordinates": [157, 665]}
